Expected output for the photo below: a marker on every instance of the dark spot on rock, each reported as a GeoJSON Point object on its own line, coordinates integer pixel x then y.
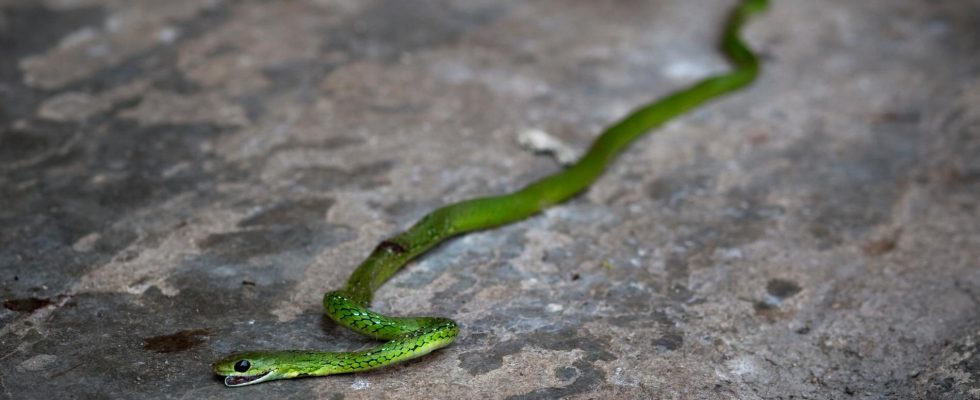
{"type": "Point", "coordinates": [881, 246]}
{"type": "Point", "coordinates": [179, 341]}
{"type": "Point", "coordinates": [480, 362]}
{"type": "Point", "coordinates": [575, 276]}
{"type": "Point", "coordinates": [804, 330]}
{"type": "Point", "coordinates": [21, 145]}
{"type": "Point", "coordinates": [248, 283]}
{"type": "Point", "coordinates": [589, 378]}
{"type": "Point", "coordinates": [764, 309]}
{"type": "Point", "coordinates": [565, 373]}
{"type": "Point", "coordinates": [587, 375]}
{"type": "Point", "coordinates": [27, 305]}
{"type": "Point", "coordinates": [878, 247]}
{"type": "Point", "coordinates": [848, 391]}
{"type": "Point", "coordinates": [782, 289]}
{"type": "Point", "coordinates": [669, 341]}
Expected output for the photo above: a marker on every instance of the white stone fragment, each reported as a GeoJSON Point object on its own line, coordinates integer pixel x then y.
{"type": "Point", "coordinates": [540, 141]}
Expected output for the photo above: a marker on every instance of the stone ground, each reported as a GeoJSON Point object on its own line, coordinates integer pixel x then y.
{"type": "Point", "coordinates": [182, 179]}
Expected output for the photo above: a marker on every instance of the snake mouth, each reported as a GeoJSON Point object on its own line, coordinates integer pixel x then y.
{"type": "Point", "coordinates": [241, 380]}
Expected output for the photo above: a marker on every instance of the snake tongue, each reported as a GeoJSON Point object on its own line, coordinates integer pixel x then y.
{"type": "Point", "coordinates": [232, 381]}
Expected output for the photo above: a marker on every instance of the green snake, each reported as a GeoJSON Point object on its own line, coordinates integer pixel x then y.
{"type": "Point", "coordinates": [410, 337]}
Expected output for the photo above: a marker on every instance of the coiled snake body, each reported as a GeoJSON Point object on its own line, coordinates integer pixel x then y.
{"type": "Point", "coordinates": [409, 337]}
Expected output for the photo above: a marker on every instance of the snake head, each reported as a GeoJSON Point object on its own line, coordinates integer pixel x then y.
{"type": "Point", "coordinates": [248, 368]}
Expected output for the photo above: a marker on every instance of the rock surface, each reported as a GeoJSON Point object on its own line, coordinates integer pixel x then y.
{"type": "Point", "coordinates": [182, 179]}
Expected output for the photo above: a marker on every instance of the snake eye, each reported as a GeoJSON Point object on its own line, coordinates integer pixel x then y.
{"type": "Point", "coordinates": [242, 365]}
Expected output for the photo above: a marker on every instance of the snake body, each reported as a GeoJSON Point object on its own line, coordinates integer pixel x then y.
{"type": "Point", "coordinates": [409, 337]}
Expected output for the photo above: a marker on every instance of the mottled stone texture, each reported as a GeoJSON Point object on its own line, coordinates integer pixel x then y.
{"type": "Point", "coordinates": [182, 179]}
